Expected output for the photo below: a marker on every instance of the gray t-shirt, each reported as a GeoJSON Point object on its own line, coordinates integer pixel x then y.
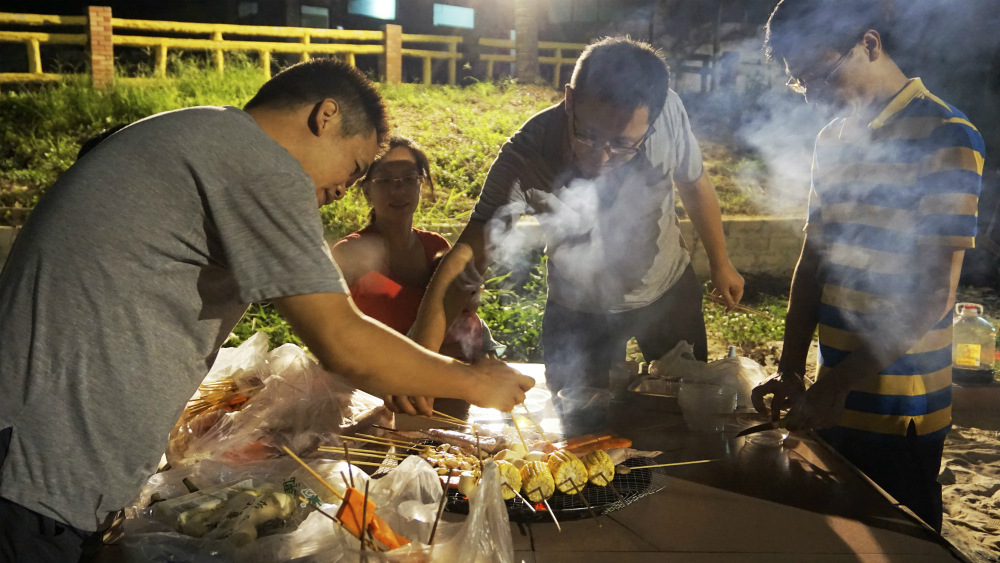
{"type": "Point", "coordinates": [614, 243]}
{"type": "Point", "coordinates": [128, 276]}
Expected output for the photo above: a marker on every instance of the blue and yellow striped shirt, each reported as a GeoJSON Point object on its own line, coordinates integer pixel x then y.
{"type": "Point", "coordinates": [880, 193]}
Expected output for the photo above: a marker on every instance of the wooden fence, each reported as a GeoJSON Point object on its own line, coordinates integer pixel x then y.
{"type": "Point", "coordinates": [391, 45]}
{"type": "Point", "coordinates": [556, 59]}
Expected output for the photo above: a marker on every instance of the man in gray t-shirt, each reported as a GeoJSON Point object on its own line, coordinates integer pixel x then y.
{"type": "Point", "coordinates": [598, 172]}
{"type": "Point", "coordinates": [134, 268]}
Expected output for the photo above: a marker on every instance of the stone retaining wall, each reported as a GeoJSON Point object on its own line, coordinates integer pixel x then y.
{"type": "Point", "coordinates": [756, 246]}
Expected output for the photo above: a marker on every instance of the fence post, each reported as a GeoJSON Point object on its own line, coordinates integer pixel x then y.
{"type": "Point", "coordinates": [428, 74]}
{"type": "Point", "coordinates": [557, 71]}
{"type": "Point", "coordinates": [390, 64]}
{"type": "Point", "coordinates": [161, 60]}
{"type": "Point", "coordinates": [220, 57]}
{"type": "Point", "coordinates": [101, 46]}
{"type": "Point", "coordinates": [452, 62]}
{"type": "Point", "coordinates": [265, 63]}
{"type": "Point", "coordinates": [34, 57]}
{"type": "Point", "coordinates": [305, 54]}
{"type": "Point", "coordinates": [526, 39]}
{"type": "Point", "coordinates": [489, 69]}
{"type": "Point", "coordinates": [349, 59]}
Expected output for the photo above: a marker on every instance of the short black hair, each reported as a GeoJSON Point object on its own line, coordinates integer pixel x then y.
{"type": "Point", "coordinates": [313, 81]}
{"type": "Point", "coordinates": [815, 27]}
{"type": "Point", "coordinates": [624, 73]}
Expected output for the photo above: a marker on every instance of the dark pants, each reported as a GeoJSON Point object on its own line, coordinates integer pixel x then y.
{"type": "Point", "coordinates": [907, 469]}
{"type": "Point", "coordinates": [28, 537]}
{"type": "Point", "coordinates": [580, 348]}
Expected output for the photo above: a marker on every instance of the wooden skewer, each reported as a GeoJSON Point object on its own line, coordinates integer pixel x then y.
{"type": "Point", "coordinates": [338, 450]}
{"type": "Point", "coordinates": [552, 514]}
{"type": "Point", "coordinates": [388, 441]}
{"type": "Point", "coordinates": [382, 455]}
{"type": "Point", "coordinates": [377, 443]}
{"type": "Point", "coordinates": [448, 416]}
{"type": "Point", "coordinates": [313, 473]}
{"type": "Point", "coordinates": [364, 520]}
{"type": "Point", "coordinates": [328, 515]}
{"type": "Point", "coordinates": [518, 428]}
{"type": "Point", "coordinates": [440, 512]}
{"type": "Point", "coordinates": [673, 464]}
{"type": "Point", "coordinates": [720, 301]}
{"type": "Point", "coordinates": [576, 491]}
{"type": "Point", "coordinates": [371, 464]}
{"type": "Point", "coordinates": [537, 426]}
{"type": "Point", "coordinates": [611, 485]}
{"type": "Point", "coordinates": [350, 473]}
{"type": "Point", "coordinates": [444, 421]}
{"type": "Point", "coordinates": [528, 504]}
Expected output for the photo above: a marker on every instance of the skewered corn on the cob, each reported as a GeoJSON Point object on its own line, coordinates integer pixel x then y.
{"type": "Point", "coordinates": [600, 467]}
{"type": "Point", "coordinates": [568, 472]}
{"type": "Point", "coordinates": [510, 479]}
{"type": "Point", "coordinates": [536, 481]}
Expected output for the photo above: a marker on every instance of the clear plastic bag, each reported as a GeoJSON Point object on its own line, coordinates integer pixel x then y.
{"type": "Point", "coordinates": [742, 374]}
{"type": "Point", "coordinates": [296, 404]}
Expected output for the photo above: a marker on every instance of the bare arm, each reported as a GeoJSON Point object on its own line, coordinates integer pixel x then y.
{"type": "Point", "coordinates": [382, 362]}
{"type": "Point", "coordinates": [702, 206]}
{"type": "Point", "coordinates": [474, 236]}
{"type": "Point", "coordinates": [800, 325]}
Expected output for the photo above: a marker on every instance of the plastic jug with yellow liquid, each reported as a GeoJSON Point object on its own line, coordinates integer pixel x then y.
{"type": "Point", "coordinates": [974, 349]}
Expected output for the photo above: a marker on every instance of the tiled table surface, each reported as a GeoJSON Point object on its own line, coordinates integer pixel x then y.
{"type": "Point", "coordinates": [796, 503]}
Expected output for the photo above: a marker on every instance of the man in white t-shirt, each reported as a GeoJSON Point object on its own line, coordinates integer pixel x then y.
{"type": "Point", "coordinates": [598, 171]}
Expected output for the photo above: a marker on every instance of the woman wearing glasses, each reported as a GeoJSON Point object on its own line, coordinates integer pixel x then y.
{"type": "Point", "coordinates": [388, 264]}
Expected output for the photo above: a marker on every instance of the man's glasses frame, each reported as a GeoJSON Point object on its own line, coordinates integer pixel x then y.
{"type": "Point", "coordinates": [615, 152]}
{"type": "Point", "coordinates": [800, 85]}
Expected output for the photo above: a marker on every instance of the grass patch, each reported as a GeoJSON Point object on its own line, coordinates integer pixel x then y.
{"type": "Point", "coordinates": [744, 330]}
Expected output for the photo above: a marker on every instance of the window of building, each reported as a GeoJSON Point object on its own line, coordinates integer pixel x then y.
{"type": "Point", "coordinates": [381, 9]}
{"type": "Point", "coordinates": [246, 9]}
{"type": "Point", "coordinates": [454, 16]}
{"type": "Point", "coordinates": [315, 16]}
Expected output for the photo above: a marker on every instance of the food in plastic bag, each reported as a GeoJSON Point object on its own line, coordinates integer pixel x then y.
{"type": "Point", "coordinates": [742, 374]}
{"type": "Point", "coordinates": [294, 403]}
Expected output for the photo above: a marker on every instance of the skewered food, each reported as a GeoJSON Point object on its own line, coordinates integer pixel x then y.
{"type": "Point", "coordinates": [510, 479]}
{"type": "Point", "coordinates": [602, 444]}
{"type": "Point", "coordinates": [467, 483]}
{"type": "Point", "coordinates": [536, 456]}
{"type": "Point", "coordinates": [507, 455]}
{"type": "Point", "coordinates": [599, 467]}
{"type": "Point", "coordinates": [536, 481]}
{"type": "Point", "coordinates": [623, 470]}
{"type": "Point", "coordinates": [568, 472]}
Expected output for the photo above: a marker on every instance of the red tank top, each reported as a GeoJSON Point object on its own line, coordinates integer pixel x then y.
{"type": "Point", "coordinates": [388, 301]}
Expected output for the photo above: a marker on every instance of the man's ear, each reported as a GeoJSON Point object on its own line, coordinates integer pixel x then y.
{"type": "Point", "coordinates": [325, 118]}
{"type": "Point", "coordinates": [873, 44]}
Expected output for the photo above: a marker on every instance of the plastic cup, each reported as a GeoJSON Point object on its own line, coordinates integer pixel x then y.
{"type": "Point", "coordinates": [706, 405]}
{"type": "Point", "coordinates": [768, 438]}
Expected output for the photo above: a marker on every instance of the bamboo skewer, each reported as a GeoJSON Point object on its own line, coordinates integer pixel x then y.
{"type": "Point", "coordinates": [440, 512]}
{"type": "Point", "coordinates": [382, 455]}
{"type": "Point", "coordinates": [332, 518]}
{"type": "Point", "coordinates": [364, 519]}
{"type": "Point", "coordinates": [377, 443]}
{"type": "Point", "coordinates": [313, 473]}
{"type": "Point", "coordinates": [720, 301]}
{"type": "Point", "coordinates": [372, 464]}
{"type": "Point", "coordinates": [552, 514]}
{"type": "Point", "coordinates": [672, 464]}
{"type": "Point", "coordinates": [576, 491]}
{"type": "Point", "coordinates": [518, 428]}
{"type": "Point", "coordinates": [444, 421]}
{"type": "Point", "coordinates": [360, 450]}
{"type": "Point", "coordinates": [387, 441]}
{"type": "Point", "coordinates": [443, 415]}
{"type": "Point", "coordinates": [524, 500]}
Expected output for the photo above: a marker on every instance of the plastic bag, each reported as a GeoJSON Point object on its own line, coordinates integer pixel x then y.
{"type": "Point", "coordinates": [295, 404]}
{"type": "Point", "coordinates": [742, 374]}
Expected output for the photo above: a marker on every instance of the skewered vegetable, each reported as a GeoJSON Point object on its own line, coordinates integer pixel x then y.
{"type": "Point", "coordinates": [568, 472]}
{"type": "Point", "coordinates": [603, 444]}
{"type": "Point", "coordinates": [536, 481]}
{"type": "Point", "coordinates": [599, 467]}
{"type": "Point", "coordinates": [510, 479]}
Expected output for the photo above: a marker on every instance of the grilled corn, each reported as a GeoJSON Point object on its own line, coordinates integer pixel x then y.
{"type": "Point", "coordinates": [599, 467]}
{"type": "Point", "coordinates": [510, 479]}
{"type": "Point", "coordinates": [568, 472]}
{"type": "Point", "coordinates": [536, 481]}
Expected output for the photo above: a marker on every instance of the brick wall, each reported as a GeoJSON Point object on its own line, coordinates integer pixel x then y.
{"type": "Point", "coordinates": [100, 47]}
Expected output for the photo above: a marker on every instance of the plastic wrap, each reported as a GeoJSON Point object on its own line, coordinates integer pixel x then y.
{"type": "Point", "coordinates": [742, 374]}
{"type": "Point", "coordinates": [294, 403]}
{"type": "Point", "coordinates": [407, 499]}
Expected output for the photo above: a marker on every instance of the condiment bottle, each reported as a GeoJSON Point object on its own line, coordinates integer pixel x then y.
{"type": "Point", "coordinates": [974, 349]}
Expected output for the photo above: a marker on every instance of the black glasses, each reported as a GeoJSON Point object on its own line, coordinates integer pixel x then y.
{"type": "Point", "coordinates": [799, 85]}
{"type": "Point", "coordinates": [615, 152]}
{"type": "Point", "coordinates": [413, 181]}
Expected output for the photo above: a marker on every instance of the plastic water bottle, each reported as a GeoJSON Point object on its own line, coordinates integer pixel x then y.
{"type": "Point", "coordinates": [974, 349]}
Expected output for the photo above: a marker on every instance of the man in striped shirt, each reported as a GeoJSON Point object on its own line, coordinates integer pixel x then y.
{"type": "Point", "coordinates": [895, 186]}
